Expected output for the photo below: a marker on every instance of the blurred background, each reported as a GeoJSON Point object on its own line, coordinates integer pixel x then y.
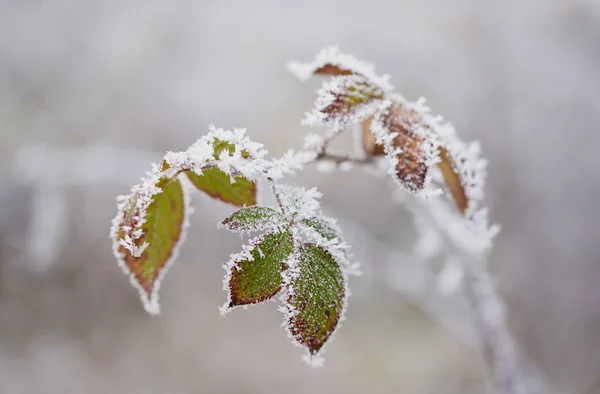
{"type": "Point", "coordinates": [92, 92]}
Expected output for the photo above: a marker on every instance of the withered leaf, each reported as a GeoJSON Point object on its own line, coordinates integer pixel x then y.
{"type": "Point", "coordinates": [412, 167]}
{"type": "Point", "coordinates": [453, 180]}
{"type": "Point", "coordinates": [332, 69]}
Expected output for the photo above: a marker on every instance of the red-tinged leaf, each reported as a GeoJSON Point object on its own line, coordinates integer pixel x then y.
{"type": "Point", "coordinates": [258, 279]}
{"type": "Point", "coordinates": [333, 70]}
{"type": "Point", "coordinates": [345, 100]}
{"type": "Point", "coordinates": [315, 297]}
{"type": "Point", "coordinates": [453, 180]}
{"type": "Point", "coordinates": [412, 163]}
{"type": "Point", "coordinates": [217, 184]}
{"type": "Point", "coordinates": [148, 231]}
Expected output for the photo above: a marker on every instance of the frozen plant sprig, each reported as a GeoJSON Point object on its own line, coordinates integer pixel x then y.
{"type": "Point", "coordinates": [226, 165]}
{"type": "Point", "coordinates": [300, 255]}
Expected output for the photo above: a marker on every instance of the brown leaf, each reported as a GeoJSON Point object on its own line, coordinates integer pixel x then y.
{"type": "Point", "coordinates": [350, 96]}
{"type": "Point", "coordinates": [331, 69]}
{"type": "Point", "coordinates": [411, 168]}
{"type": "Point", "coordinates": [369, 142]}
{"type": "Point", "coordinates": [453, 180]}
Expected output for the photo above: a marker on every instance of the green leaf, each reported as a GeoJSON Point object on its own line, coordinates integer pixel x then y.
{"type": "Point", "coordinates": [322, 227]}
{"type": "Point", "coordinates": [220, 146]}
{"type": "Point", "coordinates": [162, 230]}
{"type": "Point", "coordinates": [253, 219]}
{"type": "Point", "coordinates": [217, 184]}
{"type": "Point", "coordinates": [316, 297]}
{"type": "Point", "coordinates": [257, 280]}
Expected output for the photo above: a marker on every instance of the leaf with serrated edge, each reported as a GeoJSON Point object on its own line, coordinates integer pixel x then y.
{"type": "Point", "coordinates": [161, 233]}
{"type": "Point", "coordinates": [254, 218]}
{"type": "Point", "coordinates": [315, 298]}
{"type": "Point", "coordinates": [217, 184]}
{"type": "Point", "coordinates": [256, 277]}
{"type": "Point", "coordinates": [453, 181]}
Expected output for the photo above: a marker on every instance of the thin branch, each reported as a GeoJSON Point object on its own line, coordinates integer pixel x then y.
{"type": "Point", "coordinates": [340, 158]}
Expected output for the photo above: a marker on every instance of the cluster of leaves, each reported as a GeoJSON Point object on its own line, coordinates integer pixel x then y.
{"type": "Point", "coordinates": [151, 221]}
{"type": "Point", "coordinates": [300, 253]}
{"type": "Point", "coordinates": [414, 141]}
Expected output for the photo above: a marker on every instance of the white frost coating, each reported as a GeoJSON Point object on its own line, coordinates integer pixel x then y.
{"type": "Point", "coordinates": [288, 164]}
{"type": "Point", "coordinates": [313, 142]}
{"type": "Point", "coordinates": [336, 246]}
{"type": "Point", "coordinates": [332, 56]}
{"type": "Point", "coordinates": [246, 160]}
{"type": "Point", "coordinates": [386, 139]}
{"type": "Point", "coordinates": [341, 93]}
{"type": "Point", "coordinates": [256, 218]}
{"type": "Point", "coordinates": [450, 278]}
{"type": "Point", "coordinates": [151, 301]}
{"type": "Point", "coordinates": [141, 196]}
{"type": "Point", "coordinates": [298, 202]}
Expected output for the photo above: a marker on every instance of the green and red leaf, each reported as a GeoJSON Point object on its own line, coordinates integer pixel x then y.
{"type": "Point", "coordinates": [316, 297]}
{"type": "Point", "coordinates": [256, 277]}
{"type": "Point", "coordinates": [147, 232]}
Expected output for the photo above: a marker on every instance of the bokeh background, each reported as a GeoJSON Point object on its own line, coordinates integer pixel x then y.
{"type": "Point", "coordinates": [91, 92]}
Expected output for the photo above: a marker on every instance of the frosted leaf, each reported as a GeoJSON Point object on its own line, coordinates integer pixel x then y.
{"type": "Point", "coordinates": [228, 150]}
{"type": "Point", "coordinates": [327, 228]}
{"type": "Point", "coordinates": [298, 202]}
{"type": "Point", "coordinates": [147, 232]}
{"type": "Point", "coordinates": [237, 190]}
{"type": "Point", "coordinates": [343, 101]}
{"type": "Point", "coordinates": [254, 219]}
{"type": "Point", "coordinates": [461, 165]}
{"type": "Point", "coordinates": [254, 275]}
{"type": "Point", "coordinates": [329, 61]}
{"type": "Point", "coordinates": [408, 143]}
{"type": "Point", "coordinates": [315, 297]}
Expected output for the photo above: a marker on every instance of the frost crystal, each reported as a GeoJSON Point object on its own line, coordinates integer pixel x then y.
{"type": "Point", "coordinates": [331, 61]}
{"type": "Point", "coordinates": [230, 151]}
{"type": "Point", "coordinates": [298, 202]}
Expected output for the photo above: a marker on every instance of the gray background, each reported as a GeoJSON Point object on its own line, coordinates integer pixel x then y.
{"type": "Point", "coordinates": [523, 77]}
